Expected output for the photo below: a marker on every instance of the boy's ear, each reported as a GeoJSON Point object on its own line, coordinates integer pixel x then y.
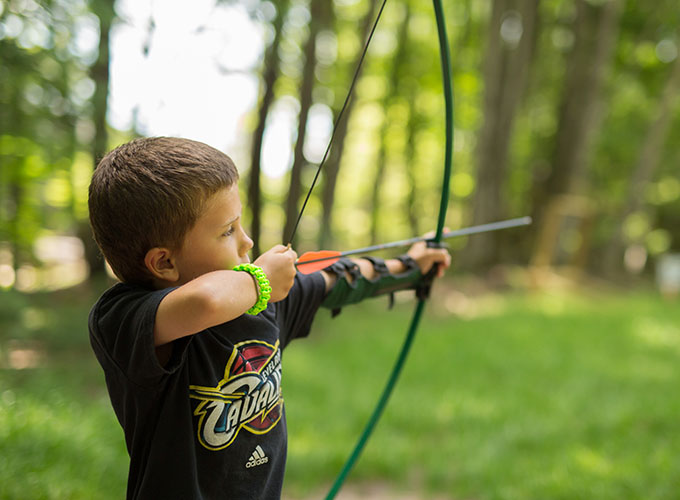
{"type": "Point", "coordinates": [161, 264]}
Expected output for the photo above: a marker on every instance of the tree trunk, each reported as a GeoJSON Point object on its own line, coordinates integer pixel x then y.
{"type": "Point", "coordinates": [99, 72]}
{"type": "Point", "coordinates": [104, 10]}
{"type": "Point", "coordinates": [11, 167]}
{"type": "Point", "coordinates": [270, 76]}
{"type": "Point", "coordinates": [511, 46]}
{"type": "Point", "coordinates": [413, 126]}
{"type": "Point", "coordinates": [306, 88]}
{"type": "Point", "coordinates": [18, 247]}
{"type": "Point", "coordinates": [332, 166]}
{"type": "Point", "coordinates": [647, 163]}
{"type": "Point", "coordinates": [390, 95]}
{"type": "Point", "coordinates": [596, 30]}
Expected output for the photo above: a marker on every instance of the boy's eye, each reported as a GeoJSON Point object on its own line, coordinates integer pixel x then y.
{"type": "Point", "coordinates": [229, 231]}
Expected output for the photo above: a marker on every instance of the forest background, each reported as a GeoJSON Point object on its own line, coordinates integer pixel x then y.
{"type": "Point", "coordinates": [565, 110]}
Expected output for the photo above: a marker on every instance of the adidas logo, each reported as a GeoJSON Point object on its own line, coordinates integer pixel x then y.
{"type": "Point", "coordinates": [257, 458]}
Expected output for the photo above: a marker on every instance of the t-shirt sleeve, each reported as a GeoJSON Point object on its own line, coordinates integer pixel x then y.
{"type": "Point", "coordinates": [121, 332]}
{"type": "Point", "coordinates": [296, 312]}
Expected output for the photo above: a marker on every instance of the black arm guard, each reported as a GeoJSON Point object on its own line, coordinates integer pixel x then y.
{"type": "Point", "coordinates": [346, 292]}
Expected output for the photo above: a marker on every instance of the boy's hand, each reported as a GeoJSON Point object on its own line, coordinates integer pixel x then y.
{"type": "Point", "coordinates": [427, 257]}
{"type": "Point", "coordinates": [278, 264]}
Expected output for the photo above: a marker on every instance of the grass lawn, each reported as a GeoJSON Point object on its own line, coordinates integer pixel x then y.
{"type": "Point", "coordinates": [519, 396]}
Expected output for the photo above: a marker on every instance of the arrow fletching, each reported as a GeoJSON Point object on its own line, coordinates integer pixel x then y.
{"type": "Point", "coordinates": [310, 262]}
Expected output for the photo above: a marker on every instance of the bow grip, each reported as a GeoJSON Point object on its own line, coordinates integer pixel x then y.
{"type": "Point", "coordinates": [425, 285]}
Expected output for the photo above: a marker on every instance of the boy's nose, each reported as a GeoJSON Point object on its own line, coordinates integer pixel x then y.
{"type": "Point", "coordinates": [246, 244]}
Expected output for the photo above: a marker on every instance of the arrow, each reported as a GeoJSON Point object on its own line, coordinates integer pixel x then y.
{"type": "Point", "coordinates": [310, 262]}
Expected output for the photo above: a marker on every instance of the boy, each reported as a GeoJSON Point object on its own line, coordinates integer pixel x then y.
{"type": "Point", "coordinates": [190, 347]}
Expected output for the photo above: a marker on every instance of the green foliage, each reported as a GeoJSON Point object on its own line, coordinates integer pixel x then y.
{"type": "Point", "coordinates": [44, 95]}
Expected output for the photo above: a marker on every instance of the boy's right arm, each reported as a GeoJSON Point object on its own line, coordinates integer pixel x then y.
{"type": "Point", "coordinates": [220, 296]}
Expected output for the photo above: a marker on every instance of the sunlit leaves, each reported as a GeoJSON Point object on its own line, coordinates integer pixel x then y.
{"type": "Point", "coordinates": [666, 190]}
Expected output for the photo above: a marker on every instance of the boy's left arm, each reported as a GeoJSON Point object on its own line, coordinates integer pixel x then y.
{"type": "Point", "coordinates": [423, 256]}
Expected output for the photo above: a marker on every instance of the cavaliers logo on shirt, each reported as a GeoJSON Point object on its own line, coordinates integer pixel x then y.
{"type": "Point", "coordinates": [248, 397]}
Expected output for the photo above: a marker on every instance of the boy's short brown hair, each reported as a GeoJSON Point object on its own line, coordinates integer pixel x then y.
{"type": "Point", "coordinates": [149, 193]}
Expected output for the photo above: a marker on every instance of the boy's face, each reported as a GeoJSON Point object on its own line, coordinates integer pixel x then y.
{"type": "Point", "coordinates": [217, 241]}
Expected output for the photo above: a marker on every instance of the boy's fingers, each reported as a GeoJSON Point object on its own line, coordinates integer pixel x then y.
{"type": "Point", "coordinates": [293, 253]}
{"type": "Point", "coordinates": [282, 249]}
{"type": "Point", "coordinates": [279, 248]}
{"type": "Point", "coordinates": [443, 261]}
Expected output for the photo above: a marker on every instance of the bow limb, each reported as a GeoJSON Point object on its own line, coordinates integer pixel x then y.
{"type": "Point", "coordinates": [445, 57]}
{"type": "Point", "coordinates": [441, 221]}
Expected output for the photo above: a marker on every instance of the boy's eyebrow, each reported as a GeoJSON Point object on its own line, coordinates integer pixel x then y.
{"type": "Point", "coordinates": [232, 221]}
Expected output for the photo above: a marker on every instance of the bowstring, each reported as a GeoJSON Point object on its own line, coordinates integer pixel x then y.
{"type": "Point", "coordinates": [337, 121]}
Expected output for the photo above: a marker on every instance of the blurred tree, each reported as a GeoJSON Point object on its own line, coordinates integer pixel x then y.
{"type": "Point", "coordinates": [595, 29]}
{"type": "Point", "coordinates": [413, 125]}
{"type": "Point", "coordinates": [318, 20]}
{"type": "Point", "coordinates": [391, 96]}
{"type": "Point", "coordinates": [645, 168]}
{"type": "Point", "coordinates": [99, 72]}
{"type": "Point", "coordinates": [332, 167]}
{"type": "Point", "coordinates": [270, 74]}
{"type": "Point", "coordinates": [511, 41]}
{"type": "Point", "coordinates": [44, 92]}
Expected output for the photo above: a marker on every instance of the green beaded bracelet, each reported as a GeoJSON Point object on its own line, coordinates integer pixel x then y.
{"type": "Point", "coordinates": [264, 289]}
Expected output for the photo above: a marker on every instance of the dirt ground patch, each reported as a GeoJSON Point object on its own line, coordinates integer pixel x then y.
{"type": "Point", "coordinates": [371, 491]}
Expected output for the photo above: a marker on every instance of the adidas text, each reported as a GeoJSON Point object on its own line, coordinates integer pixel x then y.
{"type": "Point", "coordinates": [257, 458]}
{"type": "Point", "coordinates": [259, 461]}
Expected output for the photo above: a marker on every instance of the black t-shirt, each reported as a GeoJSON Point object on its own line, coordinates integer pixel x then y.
{"type": "Point", "coordinates": [210, 424]}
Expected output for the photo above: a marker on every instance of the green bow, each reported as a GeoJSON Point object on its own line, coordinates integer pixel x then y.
{"type": "Point", "coordinates": [420, 305]}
